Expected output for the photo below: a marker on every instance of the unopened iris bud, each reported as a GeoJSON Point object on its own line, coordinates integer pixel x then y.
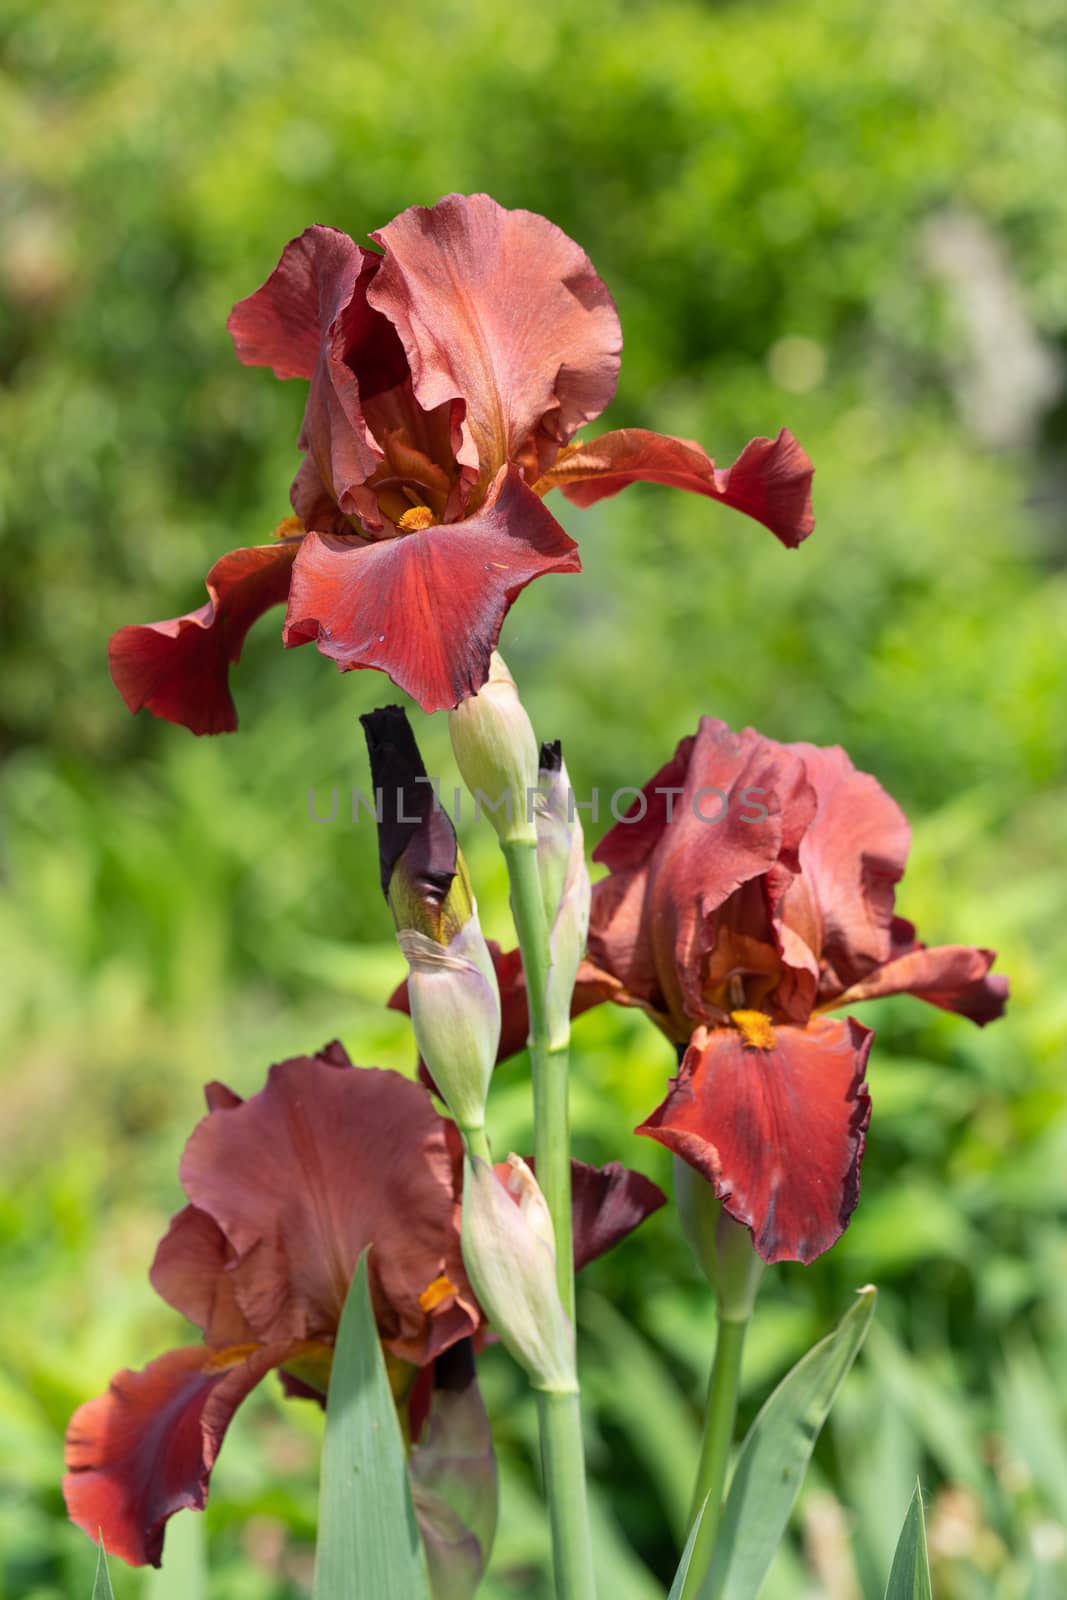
{"type": "Point", "coordinates": [496, 753]}
{"type": "Point", "coordinates": [723, 1248]}
{"type": "Point", "coordinates": [511, 1262]}
{"type": "Point", "coordinates": [452, 987]}
{"type": "Point", "coordinates": [565, 887]}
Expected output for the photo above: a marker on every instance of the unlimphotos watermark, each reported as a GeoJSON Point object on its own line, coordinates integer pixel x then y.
{"type": "Point", "coordinates": [626, 805]}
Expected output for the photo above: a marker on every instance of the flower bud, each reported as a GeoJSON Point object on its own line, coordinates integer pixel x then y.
{"type": "Point", "coordinates": [723, 1247]}
{"type": "Point", "coordinates": [565, 887]}
{"type": "Point", "coordinates": [452, 987]}
{"type": "Point", "coordinates": [511, 1263]}
{"type": "Point", "coordinates": [455, 1011]}
{"type": "Point", "coordinates": [496, 753]}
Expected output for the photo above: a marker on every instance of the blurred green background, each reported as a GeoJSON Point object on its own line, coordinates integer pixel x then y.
{"type": "Point", "coordinates": [846, 218]}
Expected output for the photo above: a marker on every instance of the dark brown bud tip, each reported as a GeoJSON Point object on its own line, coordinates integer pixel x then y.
{"type": "Point", "coordinates": [551, 757]}
{"type": "Point", "coordinates": [411, 824]}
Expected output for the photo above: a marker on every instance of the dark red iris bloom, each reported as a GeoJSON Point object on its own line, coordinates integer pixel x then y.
{"type": "Point", "coordinates": [286, 1190]}
{"type": "Point", "coordinates": [750, 893]}
{"type": "Point", "coordinates": [448, 375]}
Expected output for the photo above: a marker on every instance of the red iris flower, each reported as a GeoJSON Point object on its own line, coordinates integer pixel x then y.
{"type": "Point", "coordinates": [448, 376]}
{"type": "Point", "coordinates": [286, 1190]}
{"type": "Point", "coordinates": [750, 893]}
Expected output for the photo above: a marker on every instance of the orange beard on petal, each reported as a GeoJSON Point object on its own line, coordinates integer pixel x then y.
{"type": "Point", "coordinates": [755, 1028]}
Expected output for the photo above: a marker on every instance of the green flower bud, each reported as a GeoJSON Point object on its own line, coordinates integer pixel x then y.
{"type": "Point", "coordinates": [452, 987]}
{"type": "Point", "coordinates": [496, 753]}
{"type": "Point", "coordinates": [455, 1011]}
{"type": "Point", "coordinates": [723, 1247]}
{"type": "Point", "coordinates": [510, 1257]}
{"type": "Point", "coordinates": [565, 887]}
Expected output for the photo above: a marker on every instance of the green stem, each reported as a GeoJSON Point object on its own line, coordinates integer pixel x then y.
{"type": "Point", "coordinates": [549, 1065]}
{"type": "Point", "coordinates": [563, 1462]}
{"type": "Point", "coordinates": [719, 1417]}
{"type": "Point", "coordinates": [477, 1143]}
{"type": "Point", "coordinates": [559, 1415]}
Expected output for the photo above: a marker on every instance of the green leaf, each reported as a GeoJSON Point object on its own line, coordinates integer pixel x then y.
{"type": "Point", "coordinates": [774, 1458]}
{"type": "Point", "coordinates": [102, 1589]}
{"type": "Point", "coordinates": [368, 1540]}
{"type": "Point", "coordinates": [910, 1577]}
{"type": "Point", "coordinates": [687, 1555]}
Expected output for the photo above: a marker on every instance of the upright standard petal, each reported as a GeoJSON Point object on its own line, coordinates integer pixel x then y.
{"type": "Point", "coordinates": [501, 310]}
{"type": "Point", "coordinates": [280, 324]}
{"type": "Point", "coordinates": [427, 607]}
{"type": "Point", "coordinates": [727, 811]}
{"type": "Point", "coordinates": [190, 1272]}
{"type": "Point", "coordinates": [311, 319]}
{"type": "Point", "coordinates": [305, 1174]}
{"type": "Point", "coordinates": [777, 1127]}
{"type": "Point", "coordinates": [180, 669]}
{"type": "Point", "coordinates": [852, 857]}
{"type": "Point", "coordinates": [145, 1449]}
{"type": "Point", "coordinates": [770, 480]}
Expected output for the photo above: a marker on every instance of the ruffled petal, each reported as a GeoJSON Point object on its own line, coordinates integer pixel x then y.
{"type": "Point", "coordinates": [427, 607]}
{"type": "Point", "coordinates": [770, 480]}
{"type": "Point", "coordinates": [190, 1272]}
{"type": "Point", "coordinates": [300, 1178]}
{"type": "Point", "coordinates": [725, 812]}
{"type": "Point", "coordinates": [311, 319]}
{"type": "Point", "coordinates": [954, 977]}
{"type": "Point", "coordinates": [852, 856]}
{"type": "Point", "coordinates": [502, 310]}
{"type": "Point", "coordinates": [180, 669]}
{"type": "Point", "coordinates": [280, 325]}
{"type": "Point", "coordinates": [145, 1449]}
{"type": "Point", "coordinates": [778, 1132]}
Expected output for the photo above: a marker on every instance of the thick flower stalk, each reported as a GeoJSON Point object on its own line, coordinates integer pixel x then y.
{"type": "Point", "coordinates": [286, 1190]}
{"type": "Point", "coordinates": [449, 368]}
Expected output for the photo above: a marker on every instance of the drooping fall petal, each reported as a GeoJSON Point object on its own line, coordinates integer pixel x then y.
{"type": "Point", "coordinates": [145, 1449]}
{"type": "Point", "coordinates": [302, 1176]}
{"type": "Point", "coordinates": [770, 480]}
{"type": "Point", "coordinates": [180, 669]}
{"type": "Point", "coordinates": [607, 1204]}
{"type": "Point", "coordinates": [502, 310]}
{"type": "Point", "coordinates": [954, 977]}
{"type": "Point", "coordinates": [427, 607]}
{"type": "Point", "coordinates": [777, 1130]}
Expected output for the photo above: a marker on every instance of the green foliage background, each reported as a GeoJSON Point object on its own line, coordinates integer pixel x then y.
{"type": "Point", "coordinates": [745, 176]}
